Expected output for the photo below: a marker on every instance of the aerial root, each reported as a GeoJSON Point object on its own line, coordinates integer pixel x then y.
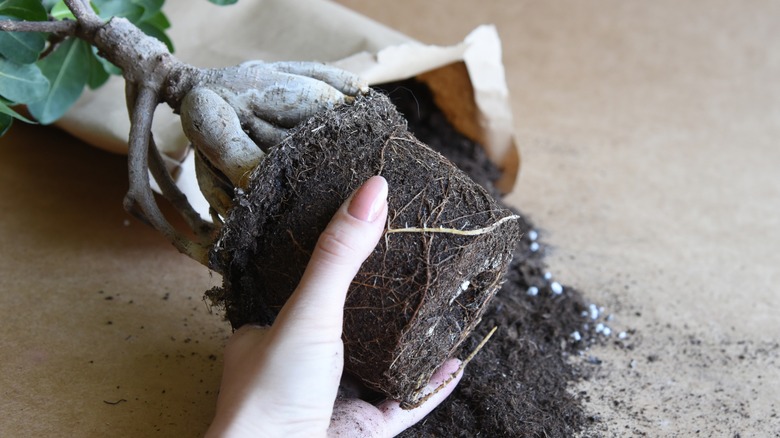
{"type": "Point", "coordinates": [140, 199]}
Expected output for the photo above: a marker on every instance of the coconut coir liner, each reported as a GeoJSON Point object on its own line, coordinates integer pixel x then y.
{"type": "Point", "coordinates": [424, 288]}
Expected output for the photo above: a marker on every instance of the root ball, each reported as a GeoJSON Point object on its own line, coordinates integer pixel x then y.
{"type": "Point", "coordinates": [426, 284]}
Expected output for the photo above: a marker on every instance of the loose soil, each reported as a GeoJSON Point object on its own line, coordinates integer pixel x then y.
{"type": "Point", "coordinates": [520, 383]}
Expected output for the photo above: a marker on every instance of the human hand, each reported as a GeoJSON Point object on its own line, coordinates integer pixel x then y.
{"type": "Point", "coordinates": [283, 380]}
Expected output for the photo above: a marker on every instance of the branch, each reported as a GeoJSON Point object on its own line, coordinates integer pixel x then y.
{"type": "Point", "coordinates": [140, 198]}
{"type": "Point", "coordinates": [82, 11]}
{"type": "Point", "coordinates": [61, 28]}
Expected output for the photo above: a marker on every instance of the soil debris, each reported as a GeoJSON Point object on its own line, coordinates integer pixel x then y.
{"type": "Point", "coordinates": [520, 384]}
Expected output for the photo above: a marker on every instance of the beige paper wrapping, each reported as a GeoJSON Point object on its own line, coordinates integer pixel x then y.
{"type": "Point", "coordinates": [467, 79]}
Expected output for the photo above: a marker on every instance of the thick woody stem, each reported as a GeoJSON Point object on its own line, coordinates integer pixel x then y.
{"type": "Point", "coordinates": [140, 198]}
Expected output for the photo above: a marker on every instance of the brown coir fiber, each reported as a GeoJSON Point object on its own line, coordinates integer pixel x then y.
{"type": "Point", "coordinates": [425, 287]}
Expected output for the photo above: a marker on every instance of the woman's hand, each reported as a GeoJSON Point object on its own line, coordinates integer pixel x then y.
{"type": "Point", "coordinates": [283, 380]}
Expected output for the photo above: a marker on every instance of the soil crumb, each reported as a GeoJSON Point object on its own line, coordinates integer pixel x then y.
{"type": "Point", "coordinates": [520, 383]}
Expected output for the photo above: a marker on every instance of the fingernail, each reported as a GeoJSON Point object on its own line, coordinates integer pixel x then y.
{"type": "Point", "coordinates": [369, 200]}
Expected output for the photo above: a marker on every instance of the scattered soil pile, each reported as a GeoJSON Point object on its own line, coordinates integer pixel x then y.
{"type": "Point", "coordinates": [517, 385]}
{"type": "Point", "coordinates": [425, 287]}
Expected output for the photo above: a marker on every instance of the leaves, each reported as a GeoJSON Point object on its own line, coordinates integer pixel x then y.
{"type": "Point", "coordinates": [8, 111]}
{"type": "Point", "coordinates": [119, 8]}
{"type": "Point", "coordinates": [21, 47]}
{"type": "Point", "coordinates": [98, 70]}
{"type": "Point", "coordinates": [67, 70]}
{"type": "Point", "coordinates": [30, 10]}
{"type": "Point", "coordinates": [150, 7]}
{"type": "Point", "coordinates": [53, 84]}
{"type": "Point", "coordinates": [5, 123]}
{"type": "Point", "coordinates": [7, 116]}
{"type": "Point", "coordinates": [22, 83]}
{"type": "Point", "coordinates": [60, 11]}
{"type": "Point", "coordinates": [157, 33]}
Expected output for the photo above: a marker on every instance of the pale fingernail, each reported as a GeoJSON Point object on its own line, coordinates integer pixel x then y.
{"type": "Point", "coordinates": [369, 200]}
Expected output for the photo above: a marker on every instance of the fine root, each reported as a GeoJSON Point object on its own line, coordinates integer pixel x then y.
{"type": "Point", "coordinates": [455, 231]}
{"type": "Point", "coordinates": [452, 376]}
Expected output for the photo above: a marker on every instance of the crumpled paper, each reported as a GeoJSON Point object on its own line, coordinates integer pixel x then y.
{"type": "Point", "coordinates": [467, 79]}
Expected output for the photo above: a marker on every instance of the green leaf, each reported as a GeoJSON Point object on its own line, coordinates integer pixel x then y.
{"type": "Point", "coordinates": [157, 33]}
{"type": "Point", "coordinates": [119, 8]}
{"type": "Point", "coordinates": [223, 2]}
{"type": "Point", "coordinates": [5, 123]}
{"type": "Point", "coordinates": [48, 4]}
{"type": "Point", "coordinates": [67, 69]}
{"type": "Point", "coordinates": [159, 20]}
{"type": "Point", "coordinates": [107, 65]}
{"type": "Point", "coordinates": [110, 67]}
{"type": "Point", "coordinates": [7, 110]}
{"type": "Point", "coordinates": [22, 83]}
{"type": "Point", "coordinates": [21, 47]}
{"type": "Point", "coordinates": [30, 10]}
{"type": "Point", "coordinates": [151, 7]}
{"type": "Point", "coordinates": [60, 11]}
{"type": "Point", "coordinates": [97, 71]}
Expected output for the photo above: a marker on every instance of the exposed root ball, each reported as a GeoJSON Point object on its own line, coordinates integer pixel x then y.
{"type": "Point", "coordinates": [427, 283]}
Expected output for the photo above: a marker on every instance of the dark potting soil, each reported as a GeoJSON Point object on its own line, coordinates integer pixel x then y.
{"type": "Point", "coordinates": [519, 384]}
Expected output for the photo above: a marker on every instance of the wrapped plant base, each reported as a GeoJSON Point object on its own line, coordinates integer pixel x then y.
{"type": "Point", "coordinates": [425, 287]}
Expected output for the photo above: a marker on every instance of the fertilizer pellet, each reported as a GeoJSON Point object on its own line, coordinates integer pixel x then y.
{"type": "Point", "coordinates": [594, 312]}
{"type": "Point", "coordinates": [556, 288]}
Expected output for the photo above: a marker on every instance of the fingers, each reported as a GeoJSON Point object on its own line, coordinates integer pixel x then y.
{"type": "Point", "coordinates": [355, 418]}
{"type": "Point", "coordinates": [342, 80]}
{"type": "Point", "coordinates": [442, 383]}
{"type": "Point", "coordinates": [340, 251]}
{"type": "Point", "coordinates": [244, 341]}
{"type": "Point", "coordinates": [358, 418]}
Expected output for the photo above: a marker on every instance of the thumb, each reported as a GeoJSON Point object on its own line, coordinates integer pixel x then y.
{"type": "Point", "coordinates": [340, 251]}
